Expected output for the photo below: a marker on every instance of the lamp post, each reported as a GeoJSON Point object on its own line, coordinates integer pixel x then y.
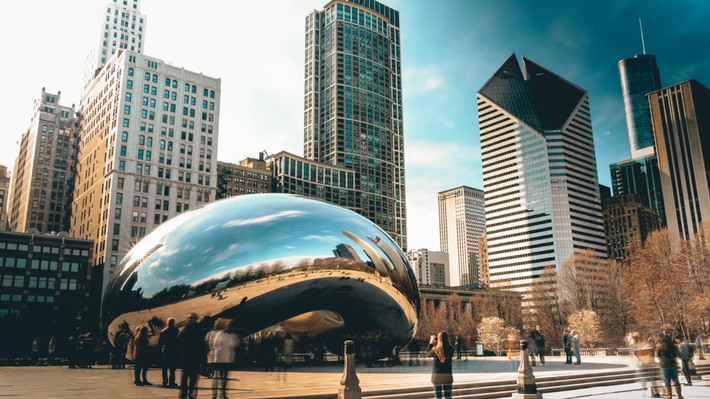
{"type": "Point", "coordinates": [349, 383]}
{"type": "Point", "coordinates": [527, 389]}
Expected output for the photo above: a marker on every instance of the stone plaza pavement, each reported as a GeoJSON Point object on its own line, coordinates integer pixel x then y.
{"type": "Point", "coordinates": [102, 382]}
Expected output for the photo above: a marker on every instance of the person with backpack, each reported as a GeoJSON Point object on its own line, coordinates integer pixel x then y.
{"type": "Point", "coordinates": [667, 355]}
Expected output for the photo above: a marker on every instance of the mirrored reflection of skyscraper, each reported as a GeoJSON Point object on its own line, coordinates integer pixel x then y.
{"type": "Point", "coordinates": [539, 173]}
{"type": "Point", "coordinates": [353, 103]}
{"type": "Point", "coordinates": [639, 76]}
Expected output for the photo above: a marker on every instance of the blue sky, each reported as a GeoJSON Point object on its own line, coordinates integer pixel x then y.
{"type": "Point", "coordinates": [449, 48]}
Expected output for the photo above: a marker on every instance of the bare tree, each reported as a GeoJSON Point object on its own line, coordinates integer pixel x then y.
{"type": "Point", "coordinates": [493, 333]}
{"type": "Point", "coordinates": [542, 309]}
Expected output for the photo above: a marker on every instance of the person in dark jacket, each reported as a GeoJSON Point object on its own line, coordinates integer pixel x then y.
{"type": "Point", "coordinates": [540, 343]}
{"type": "Point", "coordinates": [192, 348]}
{"type": "Point", "coordinates": [268, 351]}
{"type": "Point", "coordinates": [169, 352]}
{"type": "Point", "coordinates": [667, 355]}
{"type": "Point", "coordinates": [441, 376]}
{"type": "Point", "coordinates": [686, 352]}
{"type": "Point", "coordinates": [459, 344]}
{"type": "Point", "coordinates": [567, 345]}
{"type": "Point", "coordinates": [532, 347]}
{"type": "Point", "coordinates": [141, 355]}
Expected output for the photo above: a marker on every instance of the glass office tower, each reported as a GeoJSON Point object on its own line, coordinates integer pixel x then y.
{"type": "Point", "coordinates": [353, 103]}
{"type": "Point", "coordinates": [639, 76]}
{"type": "Point", "coordinates": [539, 173]}
{"type": "Point", "coordinates": [640, 176]}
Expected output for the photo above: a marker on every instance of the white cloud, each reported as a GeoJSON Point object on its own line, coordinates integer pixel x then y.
{"type": "Point", "coordinates": [424, 80]}
{"type": "Point", "coordinates": [320, 238]}
{"type": "Point", "coordinates": [263, 219]}
{"type": "Point", "coordinates": [426, 153]}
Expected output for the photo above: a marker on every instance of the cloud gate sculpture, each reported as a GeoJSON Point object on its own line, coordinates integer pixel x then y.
{"type": "Point", "coordinates": [270, 261]}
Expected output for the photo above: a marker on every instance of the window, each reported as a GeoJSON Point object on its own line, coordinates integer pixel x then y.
{"type": "Point", "coordinates": [116, 228]}
{"type": "Point", "coordinates": [122, 165]}
{"type": "Point", "coordinates": [129, 84]}
{"type": "Point", "coordinates": [147, 76]}
{"type": "Point", "coordinates": [126, 122]}
{"type": "Point", "coordinates": [130, 72]}
{"type": "Point", "coordinates": [124, 136]}
{"type": "Point", "coordinates": [167, 82]}
{"type": "Point", "coordinates": [123, 150]}
{"type": "Point", "coordinates": [150, 142]}
{"type": "Point", "coordinates": [127, 110]}
{"type": "Point", "coordinates": [128, 96]}
{"type": "Point", "coordinates": [211, 93]}
{"type": "Point", "coordinates": [117, 213]}
{"type": "Point", "coordinates": [187, 87]}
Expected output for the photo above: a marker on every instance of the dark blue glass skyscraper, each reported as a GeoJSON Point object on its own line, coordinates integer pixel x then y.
{"type": "Point", "coordinates": [639, 76]}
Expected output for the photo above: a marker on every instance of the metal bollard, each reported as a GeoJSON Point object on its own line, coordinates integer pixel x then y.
{"type": "Point", "coordinates": [527, 389]}
{"type": "Point", "coordinates": [349, 384]}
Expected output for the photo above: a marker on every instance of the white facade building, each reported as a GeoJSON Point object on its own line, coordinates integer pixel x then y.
{"type": "Point", "coordinates": [148, 151]}
{"type": "Point", "coordinates": [430, 267]}
{"type": "Point", "coordinates": [123, 27]}
{"type": "Point", "coordinates": [462, 220]}
{"type": "Point", "coordinates": [539, 173]}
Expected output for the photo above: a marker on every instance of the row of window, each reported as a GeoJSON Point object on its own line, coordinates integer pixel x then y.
{"type": "Point", "coordinates": [70, 284]}
{"type": "Point", "coordinates": [36, 264]}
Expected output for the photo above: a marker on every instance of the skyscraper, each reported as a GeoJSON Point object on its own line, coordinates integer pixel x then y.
{"type": "Point", "coordinates": [639, 76]}
{"type": "Point", "coordinates": [123, 28]}
{"type": "Point", "coordinates": [148, 151]}
{"type": "Point", "coordinates": [626, 219]}
{"type": "Point", "coordinates": [680, 117]}
{"type": "Point", "coordinates": [539, 173]}
{"type": "Point", "coordinates": [353, 103]}
{"type": "Point", "coordinates": [640, 176]}
{"type": "Point", "coordinates": [42, 180]}
{"type": "Point", "coordinates": [462, 219]}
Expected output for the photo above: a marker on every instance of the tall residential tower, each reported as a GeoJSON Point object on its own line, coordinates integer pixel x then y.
{"type": "Point", "coordinates": [123, 28]}
{"type": "Point", "coordinates": [42, 180]}
{"type": "Point", "coordinates": [539, 173]}
{"type": "Point", "coordinates": [462, 220]}
{"type": "Point", "coordinates": [147, 152]}
{"type": "Point", "coordinates": [353, 103]}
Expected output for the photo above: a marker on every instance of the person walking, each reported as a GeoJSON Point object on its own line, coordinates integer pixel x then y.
{"type": "Point", "coordinates": [685, 351]}
{"type": "Point", "coordinates": [699, 346]}
{"type": "Point", "coordinates": [575, 346]}
{"type": "Point", "coordinates": [667, 355]}
{"type": "Point", "coordinates": [51, 350]}
{"type": "Point", "coordinates": [222, 345]}
{"type": "Point", "coordinates": [192, 350]}
{"type": "Point", "coordinates": [141, 357]}
{"type": "Point", "coordinates": [540, 343]}
{"type": "Point", "coordinates": [34, 360]}
{"type": "Point", "coordinates": [72, 348]}
{"type": "Point", "coordinates": [268, 351]}
{"type": "Point", "coordinates": [532, 347]}
{"type": "Point", "coordinates": [441, 375]}
{"type": "Point", "coordinates": [459, 342]}
{"type": "Point", "coordinates": [169, 352]}
{"type": "Point", "coordinates": [643, 351]}
{"type": "Point", "coordinates": [567, 345]}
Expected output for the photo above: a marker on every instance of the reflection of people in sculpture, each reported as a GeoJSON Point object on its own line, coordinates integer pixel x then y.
{"type": "Point", "coordinates": [268, 351]}
{"type": "Point", "coordinates": [168, 346]}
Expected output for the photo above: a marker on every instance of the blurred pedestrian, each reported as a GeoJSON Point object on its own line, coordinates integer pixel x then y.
{"type": "Point", "coordinates": [72, 348]}
{"type": "Point", "coordinates": [192, 348]}
{"type": "Point", "coordinates": [441, 376]}
{"type": "Point", "coordinates": [540, 343]}
{"type": "Point", "coordinates": [575, 346]}
{"type": "Point", "coordinates": [667, 355]}
{"type": "Point", "coordinates": [459, 342]}
{"type": "Point", "coordinates": [51, 350]}
{"type": "Point", "coordinates": [643, 351]}
{"type": "Point", "coordinates": [34, 359]}
{"type": "Point", "coordinates": [287, 348]}
{"type": "Point", "coordinates": [567, 345]}
{"type": "Point", "coordinates": [141, 356]}
{"type": "Point", "coordinates": [268, 351]}
{"type": "Point", "coordinates": [685, 351]}
{"type": "Point", "coordinates": [222, 345]}
{"type": "Point", "coordinates": [532, 347]}
{"type": "Point", "coordinates": [699, 346]}
{"type": "Point", "coordinates": [169, 352]}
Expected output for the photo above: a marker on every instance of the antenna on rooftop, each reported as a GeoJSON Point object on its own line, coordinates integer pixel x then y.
{"type": "Point", "coordinates": [642, 41]}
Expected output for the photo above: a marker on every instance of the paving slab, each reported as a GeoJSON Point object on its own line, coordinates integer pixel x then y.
{"type": "Point", "coordinates": [103, 382]}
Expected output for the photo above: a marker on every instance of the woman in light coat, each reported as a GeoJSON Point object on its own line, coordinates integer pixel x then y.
{"type": "Point", "coordinates": [222, 346]}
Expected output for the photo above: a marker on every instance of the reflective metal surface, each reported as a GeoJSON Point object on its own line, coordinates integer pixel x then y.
{"type": "Point", "coordinates": [266, 260]}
